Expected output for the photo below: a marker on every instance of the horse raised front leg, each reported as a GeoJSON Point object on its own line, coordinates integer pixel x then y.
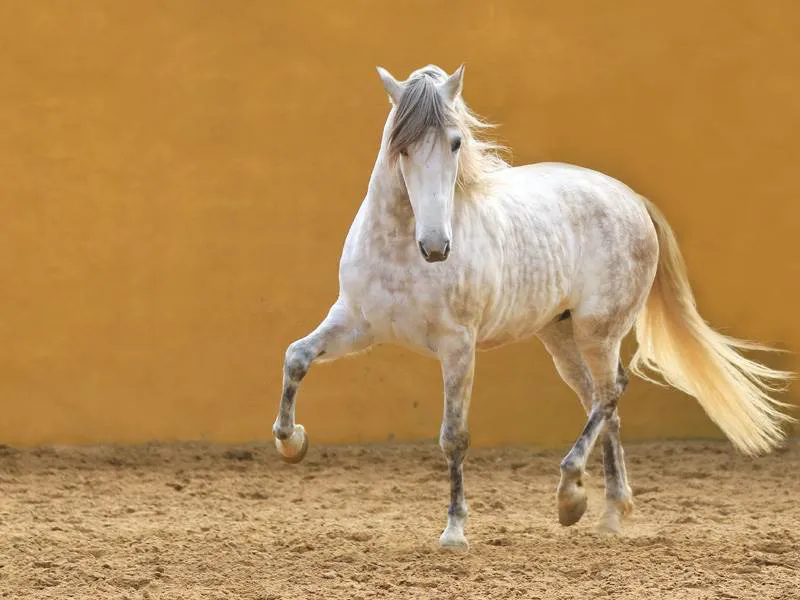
{"type": "Point", "coordinates": [339, 334]}
{"type": "Point", "coordinates": [458, 366]}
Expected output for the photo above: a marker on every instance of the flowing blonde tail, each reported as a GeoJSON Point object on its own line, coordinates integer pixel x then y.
{"type": "Point", "coordinates": [677, 344]}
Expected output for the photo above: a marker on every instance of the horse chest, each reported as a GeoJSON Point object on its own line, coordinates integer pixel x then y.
{"type": "Point", "coordinates": [401, 304]}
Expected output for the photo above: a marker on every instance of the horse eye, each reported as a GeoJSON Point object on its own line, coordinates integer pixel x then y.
{"type": "Point", "coordinates": [456, 144]}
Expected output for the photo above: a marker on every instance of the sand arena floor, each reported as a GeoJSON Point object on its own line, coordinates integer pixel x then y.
{"type": "Point", "coordinates": [196, 521]}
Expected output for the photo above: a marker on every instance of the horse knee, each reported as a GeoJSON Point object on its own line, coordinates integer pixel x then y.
{"type": "Point", "coordinates": [297, 361]}
{"type": "Point", "coordinates": [454, 443]}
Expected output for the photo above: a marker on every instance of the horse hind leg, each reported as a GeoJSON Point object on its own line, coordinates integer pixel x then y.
{"type": "Point", "coordinates": [619, 497]}
{"type": "Point", "coordinates": [559, 341]}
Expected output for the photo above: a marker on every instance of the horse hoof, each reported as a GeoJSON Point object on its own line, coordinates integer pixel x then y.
{"type": "Point", "coordinates": [293, 449]}
{"type": "Point", "coordinates": [453, 542]}
{"type": "Point", "coordinates": [572, 504]}
{"type": "Point", "coordinates": [615, 511]}
{"type": "Point", "coordinates": [609, 523]}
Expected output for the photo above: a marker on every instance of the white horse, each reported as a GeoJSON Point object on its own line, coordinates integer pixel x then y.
{"type": "Point", "coordinates": [453, 250]}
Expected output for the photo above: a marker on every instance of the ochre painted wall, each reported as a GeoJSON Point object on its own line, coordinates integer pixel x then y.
{"type": "Point", "coordinates": [177, 178]}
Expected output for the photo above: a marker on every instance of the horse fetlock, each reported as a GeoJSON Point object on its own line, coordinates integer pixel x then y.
{"type": "Point", "coordinates": [459, 512]}
{"type": "Point", "coordinates": [282, 432]}
{"type": "Point", "coordinates": [623, 502]}
{"type": "Point", "coordinates": [293, 447]}
{"type": "Point", "coordinates": [571, 470]}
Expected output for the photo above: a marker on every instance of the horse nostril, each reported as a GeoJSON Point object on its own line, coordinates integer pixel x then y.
{"type": "Point", "coordinates": [422, 249]}
{"type": "Point", "coordinates": [447, 249]}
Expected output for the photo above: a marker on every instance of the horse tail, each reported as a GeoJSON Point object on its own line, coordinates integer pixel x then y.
{"type": "Point", "coordinates": [677, 344]}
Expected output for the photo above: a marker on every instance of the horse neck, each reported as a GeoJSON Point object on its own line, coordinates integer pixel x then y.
{"type": "Point", "coordinates": [388, 207]}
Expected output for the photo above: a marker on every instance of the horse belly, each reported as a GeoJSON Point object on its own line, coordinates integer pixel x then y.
{"type": "Point", "coordinates": [525, 325]}
{"type": "Point", "coordinates": [507, 336]}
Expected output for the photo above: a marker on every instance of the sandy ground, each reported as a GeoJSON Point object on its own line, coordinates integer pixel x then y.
{"type": "Point", "coordinates": [196, 521]}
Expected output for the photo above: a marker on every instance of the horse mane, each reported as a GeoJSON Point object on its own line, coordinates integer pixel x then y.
{"type": "Point", "coordinates": [422, 108]}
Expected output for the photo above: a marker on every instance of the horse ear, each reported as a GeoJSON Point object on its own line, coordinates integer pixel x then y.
{"type": "Point", "coordinates": [454, 84]}
{"type": "Point", "coordinates": [393, 87]}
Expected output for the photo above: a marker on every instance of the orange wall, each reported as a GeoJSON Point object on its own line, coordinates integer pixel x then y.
{"type": "Point", "coordinates": [177, 179]}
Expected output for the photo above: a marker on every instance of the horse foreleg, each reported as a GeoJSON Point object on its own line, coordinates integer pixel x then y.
{"type": "Point", "coordinates": [339, 334]}
{"type": "Point", "coordinates": [458, 366]}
